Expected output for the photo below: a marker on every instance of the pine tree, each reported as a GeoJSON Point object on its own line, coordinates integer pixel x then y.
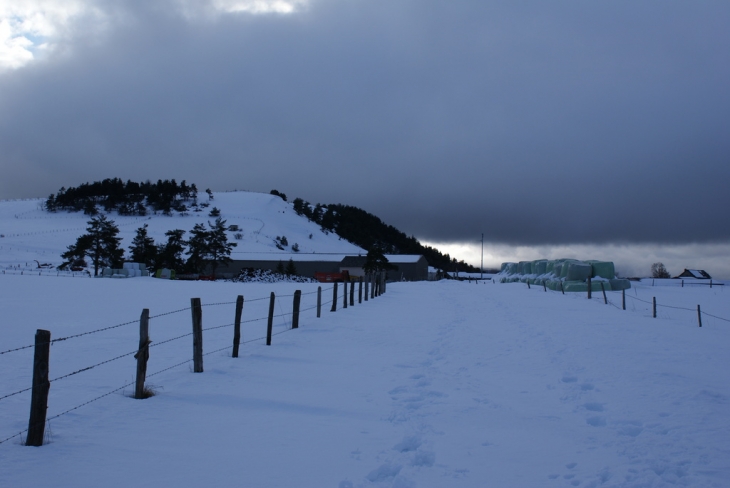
{"type": "Point", "coordinates": [197, 249]}
{"type": "Point", "coordinates": [291, 270]}
{"type": "Point", "coordinates": [209, 247]}
{"type": "Point", "coordinates": [375, 261]}
{"type": "Point", "coordinates": [100, 244]}
{"type": "Point", "coordinates": [219, 249]}
{"type": "Point", "coordinates": [169, 255]}
{"type": "Point", "coordinates": [143, 249]}
{"type": "Point", "coordinates": [280, 268]}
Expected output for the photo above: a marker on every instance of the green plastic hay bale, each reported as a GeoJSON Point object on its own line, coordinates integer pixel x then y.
{"type": "Point", "coordinates": [525, 267]}
{"type": "Point", "coordinates": [575, 286]}
{"type": "Point", "coordinates": [596, 285]}
{"type": "Point", "coordinates": [578, 271]}
{"type": "Point", "coordinates": [514, 268]}
{"type": "Point", "coordinates": [619, 284]}
{"type": "Point", "coordinates": [550, 266]}
{"type": "Point", "coordinates": [540, 267]}
{"type": "Point", "coordinates": [603, 269]}
{"type": "Point", "coordinates": [566, 266]}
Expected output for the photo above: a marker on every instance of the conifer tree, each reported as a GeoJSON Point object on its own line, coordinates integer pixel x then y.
{"type": "Point", "coordinates": [143, 249]}
{"type": "Point", "coordinates": [291, 270]}
{"type": "Point", "coordinates": [100, 244]}
{"type": "Point", "coordinates": [169, 255]}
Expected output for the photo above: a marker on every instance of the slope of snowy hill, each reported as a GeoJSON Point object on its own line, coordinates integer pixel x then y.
{"type": "Point", "coordinates": [30, 234]}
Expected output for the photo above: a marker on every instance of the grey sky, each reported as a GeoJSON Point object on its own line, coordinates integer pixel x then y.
{"type": "Point", "coordinates": [535, 122]}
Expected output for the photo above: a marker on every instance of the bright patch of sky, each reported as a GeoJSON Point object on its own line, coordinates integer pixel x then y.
{"type": "Point", "coordinates": [28, 28]}
{"type": "Point", "coordinates": [630, 259]}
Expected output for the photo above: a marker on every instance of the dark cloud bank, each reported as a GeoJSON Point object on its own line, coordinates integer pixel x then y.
{"type": "Point", "coordinates": [533, 122]}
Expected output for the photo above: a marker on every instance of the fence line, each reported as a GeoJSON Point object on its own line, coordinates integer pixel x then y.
{"type": "Point", "coordinates": [271, 316]}
{"type": "Point", "coordinates": [636, 298]}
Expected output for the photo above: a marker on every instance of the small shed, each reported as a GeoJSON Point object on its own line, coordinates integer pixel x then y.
{"type": "Point", "coordinates": [699, 274]}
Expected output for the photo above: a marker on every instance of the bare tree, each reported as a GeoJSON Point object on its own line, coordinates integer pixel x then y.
{"type": "Point", "coordinates": [659, 271]}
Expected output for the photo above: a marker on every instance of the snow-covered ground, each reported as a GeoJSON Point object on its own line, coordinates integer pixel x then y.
{"type": "Point", "coordinates": [441, 384]}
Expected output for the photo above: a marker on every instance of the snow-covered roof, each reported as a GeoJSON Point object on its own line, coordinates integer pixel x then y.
{"type": "Point", "coordinates": [403, 258]}
{"type": "Point", "coordinates": [285, 256]}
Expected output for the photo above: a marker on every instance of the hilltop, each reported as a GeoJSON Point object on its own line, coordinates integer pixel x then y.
{"type": "Point", "coordinates": [259, 222]}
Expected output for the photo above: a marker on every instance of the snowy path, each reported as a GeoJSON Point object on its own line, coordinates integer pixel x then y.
{"type": "Point", "coordinates": [431, 385]}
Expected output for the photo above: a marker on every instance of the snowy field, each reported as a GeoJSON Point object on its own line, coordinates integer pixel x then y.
{"type": "Point", "coordinates": [431, 385]}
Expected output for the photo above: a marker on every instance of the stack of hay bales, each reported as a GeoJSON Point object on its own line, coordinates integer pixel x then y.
{"type": "Point", "coordinates": [564, 274]}
{"type": "Point", "coordinates": [129, 270]}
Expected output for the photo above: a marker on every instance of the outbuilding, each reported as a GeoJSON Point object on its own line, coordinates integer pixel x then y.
{"type": "Point", "coordinates": [699, 274]}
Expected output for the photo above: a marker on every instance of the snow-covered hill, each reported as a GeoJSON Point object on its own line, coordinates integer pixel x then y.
{"type": "Point", "coordinates": [30, 234]}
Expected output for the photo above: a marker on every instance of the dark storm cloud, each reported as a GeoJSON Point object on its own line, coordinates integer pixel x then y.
{"type": "Point", "coordinates": [534, 122]}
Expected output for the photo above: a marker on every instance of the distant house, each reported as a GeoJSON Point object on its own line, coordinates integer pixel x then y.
{"type": "Point", "coordinates": [699, 274]}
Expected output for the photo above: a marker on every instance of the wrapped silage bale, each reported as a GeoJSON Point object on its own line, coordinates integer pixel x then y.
{"type": "Point", "coordinates": [525, 267]}
{"type": "Point", "coordinates": [578, 271]}
{"type": "Point", "coordinates": [596, 285]}
{"type": "Point", "coordinates": [550, 267]}
{"type": "Point", "coordinates": [603, 269]}
{"type": "Point", "coordinates": [540, 267]}
{"type": "Point", "coordinates": [564, 268]}
{"type": "Point", "coordinates": [575, 286]}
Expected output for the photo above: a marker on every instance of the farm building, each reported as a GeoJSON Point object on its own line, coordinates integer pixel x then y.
{"type": "Point", "coordinates": [410, 267]}
{"type": "Point", "coordinates": [699, 274]}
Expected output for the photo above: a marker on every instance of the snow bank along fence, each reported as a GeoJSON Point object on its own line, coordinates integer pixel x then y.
{"type": "Point", "coordinates": [600, 286]}
{"type": "Point", "coordinates": [374, 286]}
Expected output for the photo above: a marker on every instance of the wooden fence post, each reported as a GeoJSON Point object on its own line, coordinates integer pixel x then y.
{"type": "Point", "coordinates": [237, 326]}
{"type": "Point", "coordinates": [270, 325]}
{"type": "Point", "coordinates": [528, 283]}
{"type": "Point", "coordinates": [699, 315]}
{"type": "Point", "coordinates": [359, 290]}
{"type": "Point", "coordinates": [385, 281]}
{"type": "Point", "coordinates": [371, 280]}
{"type": "Point", "coordinates": [197, 312]}
{"type": "Point", "coordinates": [334, 297]}
{"type": "Point", "coordinates": [344, 294]}
{"type": "Point", "coordinates": [544, 286]}
{"type": "Point", "coordinates": [41, 385]}
{"type": "Point", "coordinates": [295, 311]}
{"type": "Point", "coordinates": [319, 301]}
{"type": "Point", "coordinates": [590, 288]}
{"type": "Point", "coordinates": [603, 289]}
{"type": "Point", "coordinates": [623, 299]}
{"type": "Point", "coordinates": [562, 288]}
{"type": "Point", "coordinates": [653, 307]}
{"type": "Point", "coordinates": [143, 353]}
{"type": "Point", "coordinates": [352, 294]}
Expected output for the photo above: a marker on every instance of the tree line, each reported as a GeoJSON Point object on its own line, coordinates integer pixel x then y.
{"type": "Point", "coordinates": [130, 198]}
{"type": "Point", "coordinates": [368, 231]}
{"type": "Point", "coordinates": [206, 248]}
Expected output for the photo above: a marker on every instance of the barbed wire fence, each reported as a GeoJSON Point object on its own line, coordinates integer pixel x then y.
{"type": "Point", "coordinates": [40, 384]}
{"type": "Point", "coordinates": [617, 299]}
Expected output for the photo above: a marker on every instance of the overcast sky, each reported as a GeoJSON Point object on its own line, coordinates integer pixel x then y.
{"type": "Point", "coordinates": [539, 123]}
